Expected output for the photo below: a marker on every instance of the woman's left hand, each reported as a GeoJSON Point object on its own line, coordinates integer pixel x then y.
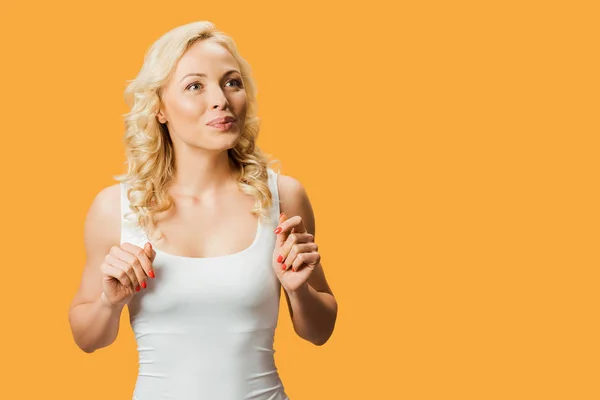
{"type": "Point", "coordinates": [296, 254]}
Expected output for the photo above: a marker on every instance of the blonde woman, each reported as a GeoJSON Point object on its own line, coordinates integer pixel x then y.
{"type": "Point", "coordinates": [200, 236]}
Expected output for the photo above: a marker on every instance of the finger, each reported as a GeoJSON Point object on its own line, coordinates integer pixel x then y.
{"type": "Point", "coordinates": [281, 236]}
{"type": "Point", "coordinates": [142, 263]}
{"type": "Point", "coordinates": [151, 255]}
{"type": "Point", "coordinates": [126, 268]}
{"type": "Point", "coordinates": [131, 255]}
{"type": "Point", "coordinates": [118, 274]}
{"type": "Point", "coordinates": [301, 227]}
{"type": "Point", "coordinates": [292, 231]}
{"type": "Point", "coordinates": [150, 251]}
{"type": "Point", "coordinates": [294, 222]}
{"type": "Point", "coordinates": [305, 259]}
{"type": "Point", "coordinates": [292, 239]}
{"type": "Point", "coordinates": [303, 246]}
{"type": "Point", "coordinates": [299, 224]}
{"type": "Point", "coordinates": [300, 261]}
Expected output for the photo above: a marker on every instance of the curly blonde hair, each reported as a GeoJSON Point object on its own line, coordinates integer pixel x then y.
{"type": "Point", "coordinates": [149, 150]}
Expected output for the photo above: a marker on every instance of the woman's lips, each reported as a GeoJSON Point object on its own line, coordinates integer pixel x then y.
{"type": "Point", "coordinates": [223, 127]}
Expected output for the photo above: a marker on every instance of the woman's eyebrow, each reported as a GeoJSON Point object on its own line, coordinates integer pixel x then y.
{"type": "Point", "coordinates": [231, 71]}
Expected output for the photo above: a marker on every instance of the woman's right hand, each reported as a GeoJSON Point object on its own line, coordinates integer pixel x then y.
{"type": "Point", "coordinates": [125, 269]}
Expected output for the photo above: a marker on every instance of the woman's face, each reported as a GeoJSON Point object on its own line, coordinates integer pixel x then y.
{"type": "Point", "coordinates": [203, 88]}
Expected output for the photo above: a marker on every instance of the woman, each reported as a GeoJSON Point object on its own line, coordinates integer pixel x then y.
{"type": "Point", "coordinates": [195, 239]}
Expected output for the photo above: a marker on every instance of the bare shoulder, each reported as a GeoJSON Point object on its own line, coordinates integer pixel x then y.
{"type": "Point", "coordinates": [294, 200]}
{"type": "Point", "coordinates": [104, 215]}
{"type": "Point", "coordinates": [102, 230]}
{"type": "Point", "coordinates": [287, 183]}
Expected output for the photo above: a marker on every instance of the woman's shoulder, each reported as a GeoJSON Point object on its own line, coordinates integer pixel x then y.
{"type": "Point", "coordinates": [291, 190]}
{"type": "Point", "coordinates": [104, 214]}
{"type": "Point", "coordinates": [288, 184]}
{"type": "Point", "coordinates": [108, 199]}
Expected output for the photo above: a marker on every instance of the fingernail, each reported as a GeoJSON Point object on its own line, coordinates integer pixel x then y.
{"type": "Point", "coordinates": [282, 266]}
{"type": "Point", "coordinates": [280, 215]}
{"type": "Point", "coordinates": [280, 258]}
{"type": "Point", "coordinates": [144, 284]}
{"type": "Point", "coordinates": [278, 230]}
{"type": "Point", "coordinates": [137, 289]}
{"type": "Point", "coordinates": [151, 273]}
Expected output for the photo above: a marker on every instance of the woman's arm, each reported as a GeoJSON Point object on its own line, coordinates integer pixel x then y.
{"type": "Point", "coordinates": [313, 313]}
{"type": "Point", "coordinates": [94, 322]}
{"type": "Point", "coordinates": [313, 307]}
{"type": "Point", "coordinates": [94, 325]}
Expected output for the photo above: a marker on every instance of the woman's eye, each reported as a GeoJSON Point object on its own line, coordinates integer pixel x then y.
{"type": "Point", "coordinates": [237, 81]}
{"type": "Point", "coordinates": [193, 84]}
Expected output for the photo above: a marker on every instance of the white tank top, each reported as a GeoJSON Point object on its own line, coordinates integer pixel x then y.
{"type": "Point", "coordinates": [205, 327]}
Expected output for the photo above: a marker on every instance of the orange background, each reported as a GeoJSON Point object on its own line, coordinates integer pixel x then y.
{"type": "Point", "coordinates": [450, 151]}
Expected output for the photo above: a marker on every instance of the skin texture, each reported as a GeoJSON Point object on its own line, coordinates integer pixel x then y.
{"type": "Point", "coordinates": [311, 303]}
{"type": "Point", "coordinates": [204, 189]}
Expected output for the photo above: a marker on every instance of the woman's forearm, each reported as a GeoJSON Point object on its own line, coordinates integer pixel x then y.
{"type": "Point", "coordinates": [313, 314]}
{"type": "Point", "coordinates": [95, 325]}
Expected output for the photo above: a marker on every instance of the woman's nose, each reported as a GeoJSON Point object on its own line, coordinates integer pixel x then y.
{"type": "Point", "coordinates": [217, 97]}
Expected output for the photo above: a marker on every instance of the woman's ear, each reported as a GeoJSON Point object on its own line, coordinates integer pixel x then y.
{"type": "Point", "coordinates": [161, 118]}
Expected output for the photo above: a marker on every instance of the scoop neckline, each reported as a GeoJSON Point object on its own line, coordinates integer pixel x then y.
{"type": "Point", "coordinates": [270, 180]}
{"type": "Point", "coordinates": [215, 258]}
